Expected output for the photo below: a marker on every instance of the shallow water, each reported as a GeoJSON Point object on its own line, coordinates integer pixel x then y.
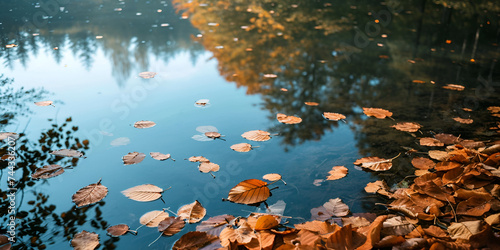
{"type": "Point", "coordinates": [86, 56]}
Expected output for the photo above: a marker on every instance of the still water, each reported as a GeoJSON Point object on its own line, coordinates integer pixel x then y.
{"type": "Point", "coordinates": [86, 57]}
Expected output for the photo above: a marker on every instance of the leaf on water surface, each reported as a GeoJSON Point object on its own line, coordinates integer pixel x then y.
{"type": "Point", "coordinates": [494, 109]}
{"type": "Point", "coordinates": [144, 124]}
{"type": "Point", "coordinates": [277, 208]}
{"type": "Point", "coordinates": [241, 147]}
{"type": "Point", "coordinates": [171, 225]}
{"type": "Point", "coordinates": [463, 121]}
{"type": "Point", "coordinates": [159, 156]}
{"type": "Point", "coordinates": [193, 240]}
{"type": "Point", "coordinates": [213, 135]}
{"type": "Point", "coordinates": [201, 138]}
{"type": "Point", "coordinates": [90, 194]}
{"type": "Point", "coordinates": [242, 235]}
{"type": "Point", "coordinates": [144, 193]}
{"type": "Point", "coordinates": [192, 213]}
{"type": "Point", "coordinates": [375, 163]}
{"type": "Point", "coordinates": [377, 112]}
{"type": "Point", "coordinates": [85, 240]}
{"type": "Point", "coordinates": [120, 141]}
{"type": "Point", "coordinates": [423, 163]}
{"type": "Point", "coordinates": [205, 129]}
{"type": "Point", "coordinates": [270, 75]}
{"type": "Point", "coordinates": [267, 222]}
{"type": "Point", "coordinates": [317, 182]}
{"type": "Point", "coordinates": [147, 75]}
{"type": "Point", "coordinates": [198, 159]}
{"type": "Point", "coordinates": [272, 177]}
{"type": "Point", "coordinates": [336, 207]}
{"type": "Point", "coordinates": [47, 171]}
{"type": "Point", "coordinates": [397, 225]}
{"type": "Point", "coordinates": [207, 167]}
{"type": "Point", "coordinates": [67, 153]}
{"type": "Point", "coordinates": [249, 191]}
{"type": "Point", "coordinates": [44, 103]}
{"type": "Point", "coordinates": [257, 135]}
{"type": "Point", "coordinates": [379, 187]}
{"type": "Point", "coordinates": [118, 230]}
{"type": "Point", "coordinates": [438, 155]}
{"type": "Point", "coordinates": [337, 172]}
{"type": "Point", "coordinates": [288, 119]}
{"type": "Point", "coordinates": [133, 158]}
{"type": "Point", "coordinates": [431, 142]}
{"type": "Point", "coordinates": [202, 103]}
{"type": "Point", "coordinates": [214, 225]}
{"type": "Point", "coordinates": [454, 87]}
{"type": "Point", "coordinates": [284, 90]}
{"type": "Point", "coordinates": [407, 126]}
{"type": "Point", "coordinates": [153, 218]}
{"type": "Point", "coordinates": [311, 103]}
{"type": "Point", "coordinates": [333, 116]}
{"type": "Point", "coordinates": [5, 135]}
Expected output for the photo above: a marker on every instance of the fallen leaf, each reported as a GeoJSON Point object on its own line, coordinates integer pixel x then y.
{"type": "Point", "coordinates": [90, 194]}
{"type": "Point", "coordinates": [242, 235]}
{"type": "Point", "coordinates": [423, 163]}
{"type": "Point", "coordinates": [159, 156]}
{"type": "Point", "coordinates": [431, 142]}
{"type": "Point", "coordinates": [311, 103]}
{"type": "Point", "coordinates": [85, 240]}
{"type": "Point", "coordinates": [474, 206]}
{"type": "Point", "coordinates": [435, 231]}
{"type": "Point", "coordinates": [355, 221]}
{"type": "Point", "coordinates": [146, 192]}
{"type": "Point", "coordinates": [454, 87]}
{"type": "Point", "coordinates": [193, 212]}
{"type": "Point", "coordinates": [375, 163]}
{"type": "Point", "coordinates": [171, 225]}
{"type": "Point", "coordinates": [266, 222]}
{"type": "Point", "coordinates": [44, 103]}
{"type": "Point", "coordinates": [147, 75]}
{"type": "Point", "coordinates": [336, 207]}
{"type": "Point", "coordinates": [493, 219]}
{"type": "Point", "coordinates": [288, 119]}
{"type": "Point", "coordinates": [193, 240]}
{"type": "Point", "coordinates": [438, 155]}
{"type": "Point", "coordinates": [249, 191]}
{"type": "Point", "coordinates": [494, 109]}
{"type": "Point", "coordinates": [215, 225]}
{"type": "Point", "coordinates": [144, 124]}
{"type": "Point", "coordinates": [5, 135]}
{"type": "Point", "coordinates": [337, 172]}
{"type": "Point", "coordinates": [333, 116]}
{"type": "Point", "coordinates": [47, 171]}
{"type": "Point", "coordinates": [67, 153]}
{"type": "Point", "coordinates": [121, 141]}
{"type": "Point", "coordinates": [320, 214]}
{"type": "Point", "coordinates": [447, 165]}
{"type": "Point", "coordinates": [265, 240]}
{"type": "Point", "coordinates": [341, 239]}
{"type": "Point", "coordinates": [198, 159]}
{"type": "Point", "coordinates": [153, 218]}
{"type": "Point", "coordinates": [133, 158]}
{"type": "Point", "coordinates": [118, 230]}
{"type": "Point", "coordinates": [379, 187]}
{"type": "Point", "coordinates": [407, 126]}
{"type": "Point", "coordinates": [241, 147]}
{"type": "Point", "coordinates": [373, 233]}
{"type": "Point", "coordinates": [317, 182]}
{"type": "Point", "coordinates": [321, 227]}
{"type": "Point", "coordinates": [213, 135]}
{"type": "Point", "coordinates": [397, 226]}
{"type": "Point", "coordinates": [464, 230]}
{"type": "Point", "coordinates": [202, 103]}
{"type": "Point", "coordinates": [464, 121]}
{"type": "Point", "coordinates": [272, 177]}
{"type": "Point", "coordinates": [284, 90]}
{"type": "Point", "coordinates": [377, 112]}
{"type": "Point", "coordinates": [389, 241]}
{"type": "Point", "coordinates": [208, 167]}
{"type": "Point", "coordinates": [447, 138]}
{"type": "Point", "coordinates": [418, 81]}
{"type": "Point", "coordinates": [256, 135]}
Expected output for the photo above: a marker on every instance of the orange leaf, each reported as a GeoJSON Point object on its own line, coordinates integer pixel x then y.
{"type": "Point", "coordinates": [337, 172]}
{"type": "Point", "coordinates": [266, 222]}
{"type": "Point", "coordinates": [249, 191]}
{"type": "Point", "coordinates": [377, 112]}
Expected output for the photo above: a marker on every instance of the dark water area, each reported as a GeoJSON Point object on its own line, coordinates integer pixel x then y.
{"type": "Point", "coordinates": [86, 57]}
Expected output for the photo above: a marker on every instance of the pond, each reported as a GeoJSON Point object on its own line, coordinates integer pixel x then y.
{"type": "Point", "coordinates": [427, 62]}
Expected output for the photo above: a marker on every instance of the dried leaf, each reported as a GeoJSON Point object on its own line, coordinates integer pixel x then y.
{"type": "Point", "coordinates": [438, 155]}
{"type": "Point", "coordinates": [373, 233]}
{"type": "Point", "coordinates": [447, 165]}
{"type": "Point", "coordinates": [153, 218]}
{"type": "Point", "coordinates": [377, 112]}
{"type": "Point", "coordinates": [464, 230]}
{"type": "Point", "coordinates": [144, 124]}
{"type": "Point", "coordinates": [256, 135]}
{"type": "Point", "coordinates": [379, 187]}
{"type": "Point", "coordinates": [44, 103]}
{"type": "Point", "coordinates": [336, 207]}
{"type": "Point", "coordinates": [118, 230]}
{"type": "Point", "coordinates": [213, 135]}
{"type": "Point", "coordinates": [193, 212]}
{"type": "Point", "coordinates": [431, 142]}
{"type": "Point", "coordinates": [407, 126]}
{"type": "Point", "coordinates": [267, 222]}
{"type": "Point", "coordinates": [341, 239]}
{"type": "Point", "coordinates": [272, 177]}
{"type": "Point", "coordinates": [146, 192]}
{"type": "Point", "coordinates": [337, 172]}
{"type": "Point", "coordinates": [85, 240]}
{"type": "Point", "coordinates": [249, 191]}
{"type": "Point", "coordinates": [206, 167]}
{"type": "Point", "coordinates": [5, 135]}
{"type": "Point", "coordinates": [435, 231]}
{"type": "Point", "coordinates": [67, 153]}
{"type": "Point", "coordinates": [159, 156]}
{"type": "Point", "coordinates": [90, 194]}
{"type": "Point", "coordinates": [493, 219]}
{"type": "Point", "coordinates": [242, 235]}
{"type": "Point", "coordinates": [202, 103]}
{"type": "Point", "coordinates": [474, 206]}
{"type": "Point", "coordinates": [215, 225]}
{"type": "Point", "coordinates": [494, 109]}
{"type": "Point", "coordinates": [321, 227]}
{"type": "Point", "coordinates": [193, 240]}
{"type": "Point", "coordinates": [355, 221]}
{"type": "Point", "coordinates": [375, 163]}
{"type": "Point", "coordinates": [133, 158]}
{"type": "Point", "coordinates": [198, 159]}
{"type": "Point", "coordinates": [397, 226]}
{"type": "Point", "coordinates": [47, 171]}
{"type": "Point", "coordinates": [241, 147]}
{"type": "Point", "coordinates": [311, 103]}
{"type": "Point", "coordinates": [333, 116]}
{"type": "Point", "coordinates": [171, 225]}
{"type": "Point", "coordinates": [320, 214]}
{"type": "Point", "coordinates": [423, 163]}
{"type": "Point", "coordinates": [284, 90]}
{"type": "Point", "coordinates": [454, 87]}
{"type": "Point", "coordinates": [147, 75]}
{"type": "Point", "coordinates": [288, 119]}
{"type": "Point", "coordinates": [447, 138]}
{"type": "Point", "coordinates": [464, 121]}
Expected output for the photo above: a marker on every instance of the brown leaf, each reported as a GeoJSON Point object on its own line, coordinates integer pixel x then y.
{"type": "Point", "coordinates": [288, 119]}
{"type": "Point", "coordinates": [241, 147]}
{"type": "Point", "coordinates": [377, 112]}
{"type": "Point", "coordinates": [336, 207]}
{"type": "Point", "coordinates": [422, 163]}
{"type": "Point", "coordinates": [159, 156]}
{"type": "Point", "coordinates": [493, 219]}
{"type": "Point", "coordinates": [447, 138]}
{"type": "Point", "coordinates": [373, 233]}
{"type": "Point", "coordinates": [153, 218]}
{"type": "Point", "coordinates": [171, 225]}
{"type": "Point", "coordinates": [5, 243]}
{"type": "Point", "coordinates": [202, 103]}
{"type": "Point", "coordinates": [320, 213]}
{"type": "Point", "coordinates": [355, 221]}
{"type": "Point", "coordinates": [378, 187]}
{"type": "Point", "coordinates": [256, 135]}
{"type": "Point", "coordinates": [447, 165]}
{"type": "Point", "coordinates": [375, 163]}
{"type": "Point", "coordinates": [144, 124]}
{"type": "Point", "coordinates": [264, 241]}
{"type": "Point", "coordinates": [454, 87]}
{"type": "Point", "coordinates": [431, 142]}
{"type": "Point", "coordinates": [494, 109]}
{"type": "Point", "coordinates": [215, 225]}
{"type": "Point", "coordinates": [435, 231]}
{"type": "Point", "coordinates": [193, 240]}
{"type": "Point", "coordinates": [67, 153]}
{"type": "Point", "coordinates": [390, 241]}
{"type": "Point", "coordinates": [147, 75]}
{"type": "Point", "coordinates": [397, 226]}
{"type": "Point", "coordinates": [464, 230]}
{"type": "Point", "coordinates": [333, 116]}
{"type": "Point", "coordinates": [337, 172]}
{"type": "Point", "coordinates": [284, 90]}
{"type": "Point", "coordinates": [90, 194]}
{"type": "Point", "coordinates": [321, 227]}
{"type": "Point", "coordinates": [118, 230]}
{"type": "Point", "coordinates": [145, 192]}
{"type": "Point", "coordinates": [308, 238]}
{"type": "Point", "coordinates": [272, 177]}
{"type": "Point", "coordinates": [267, 222]}
{"type": "Point", "coordinates": [464, 121]}
{"type": "Point", "coordinates": [249, 191]}
{"type": "Point", "coordinates": [12, 135]}
{"type": "Point", "coordinates": [193, 212]}
{"type": "Point", "coordinates": [474, 206]}
{"type": "Point", "coordinates": [438, 155]}
{"type": "Point", "coordinates": [242, 235]}
{"type": "Point", "coordinates": [47, 171]}
{"type": "Point", "coordinates": [407, 126]}
{"type": "Point", "coordinates": [311, 103]}
{"type": "Point", "coordinates": [133, 158]}
{"type": "Point", "coordinates": [44, 103]}
{"type": "Point", "coordinates": [85, 240]}
{"type": "Point", "coordinates": [206, 167]}
{"type": "Point", "coordinates": [198, 159]}
{"type": "Point", "coordinates": [213, 135]}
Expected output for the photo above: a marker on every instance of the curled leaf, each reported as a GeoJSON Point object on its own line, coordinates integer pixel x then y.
{"type": "Point", "coordinates": [144, 124]}
{"type": "Point", "coordinates": [47, 171]}
{"type": "Point", "coordinates": [192, 213]}
{"type": "Point", "coordinates": [288, 119]}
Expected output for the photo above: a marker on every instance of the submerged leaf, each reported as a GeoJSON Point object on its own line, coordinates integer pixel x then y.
{"type": "Point", "coordinates": [288, 119]}
{"type": "Point", "coordinates": [144, 124]}
{"type": "Point", "coordinates": [47, 172]}
{"type": "Point", "coordinates": [257, 135]}
{"type": "Point", "coordinates": [144, 193]}
{"type": "Point", "coordinates": [90, 194]}
{"type": "Point", "coordinates": [133, 158]}
{"type": "Point", "coordinates": [249, 191]}
{"type": "Point", "coordinates": [147, 75]}
{"type": "Point", "coordinates": [67, 153]}
{"type": "Point", "coordinates": [215, 225]}
{"type": "Point", "coordinates": [192, 213]}
{"type": "Point", "coordinates": [377, 112]}
{"type": "Point", "coordinates": [85, 240]}
{"type": "Point", "coordinates": [121, 141]}
{"type": "Point", "coordinates": [407, 126]}
{"type": "Point", "coordinates": [333, 116]}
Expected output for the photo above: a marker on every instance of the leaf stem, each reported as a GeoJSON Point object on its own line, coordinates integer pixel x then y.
{"type": "Point", "coordinates": [155, 239]}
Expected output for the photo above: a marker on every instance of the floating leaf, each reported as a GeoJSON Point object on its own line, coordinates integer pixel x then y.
{"type": "Point", "coordinates": [377, 112]}
{"type": "Point", "coordinates": [375, 163]}
{"type": "Point", "coordinates": [209, 133]}
{"type": "Point", "coordinates": [288, 119]}
{"type": "Point", "coordinates": [215, 225]}
{"type": "Point", "coordinates": [153, 218]}
{"type": "Point", "coordinates": [146, 192]}
{"type": "Point", "coordinates": [208, 167]}
{"type": "Point", "coordinates": [90, 194]}
{"type": "Point", "coordinates": [379, 187]}
{"type": "Point", "coordinates": [454, 87]}
{"type": "Point", "coordinates": [337, 172]}
{"type": "Point", "coordinates": [256, 135]}
{"type": "Point", "coordinates": [241, 147]}
{"type": "Point", "coordinates": [44, 103]}
{"type": "Point", "coordinates": [133, 158]}
{"type": "Point", "coordinates": [159, 156]}
{"type": "Point", "coordinates": [144, 124]}
{"type": "Point", "coordinates": [494, 109]}
{"type": "Point", "coordinates": [407, 126]}
{"type": "Point", "coordinates": [423, 163]}
{"type": "Point", "coordinates": [67, 153]}
{"type": "Point", "coordinates": [213, 135]}
{"type": "Point", "coordinates": [47, 171]}
{"type": "Point", "coordinates": [266, 222]}
{"type": "Point", "coordinates": [171, 225]}
{"type": "Point", "coordinates": [85, 240]}
{"type": "Point", "coordinates": [270, 75]}
{"type": "Point", "coordinates": [447, 138]}
{"type": "Point", "coordinates": [5, 135]}
{"type": "Point", "coordinates": [193, 240]}
{"type": "Point", "coordinates": [333, 116]}
{"type": "Point", "coordinates": [311, 103]}
{"type": "Point", "coordinates": [202, 103]}
{"type": "Point", "coordinates": [121, 141]}
{"type": "Point", "coordinates": [242, 235]}
{"type": "Point", "coordinates": [464, 121]}
{"type": "Point", "coordinates": [193, 212]}
{"type": "Point", "coordinates": [249, 191]}
{"type": "Point", "coordinates": [198, 159]}
{"type": "Point", "coordinates": [431, 142]}
{"type": "Point", "coordinates": [336, 207]}
{"type": "Point", "coordinates": [147, 75]}
{"type": "Point", "coordinates": [272, 177]}
{"type": "Point", "coordinates": [438, 155]}
{"type": "Point", "coordinates": [118, 230]}
{"type": "Point", "coordinates": [284, 90]}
